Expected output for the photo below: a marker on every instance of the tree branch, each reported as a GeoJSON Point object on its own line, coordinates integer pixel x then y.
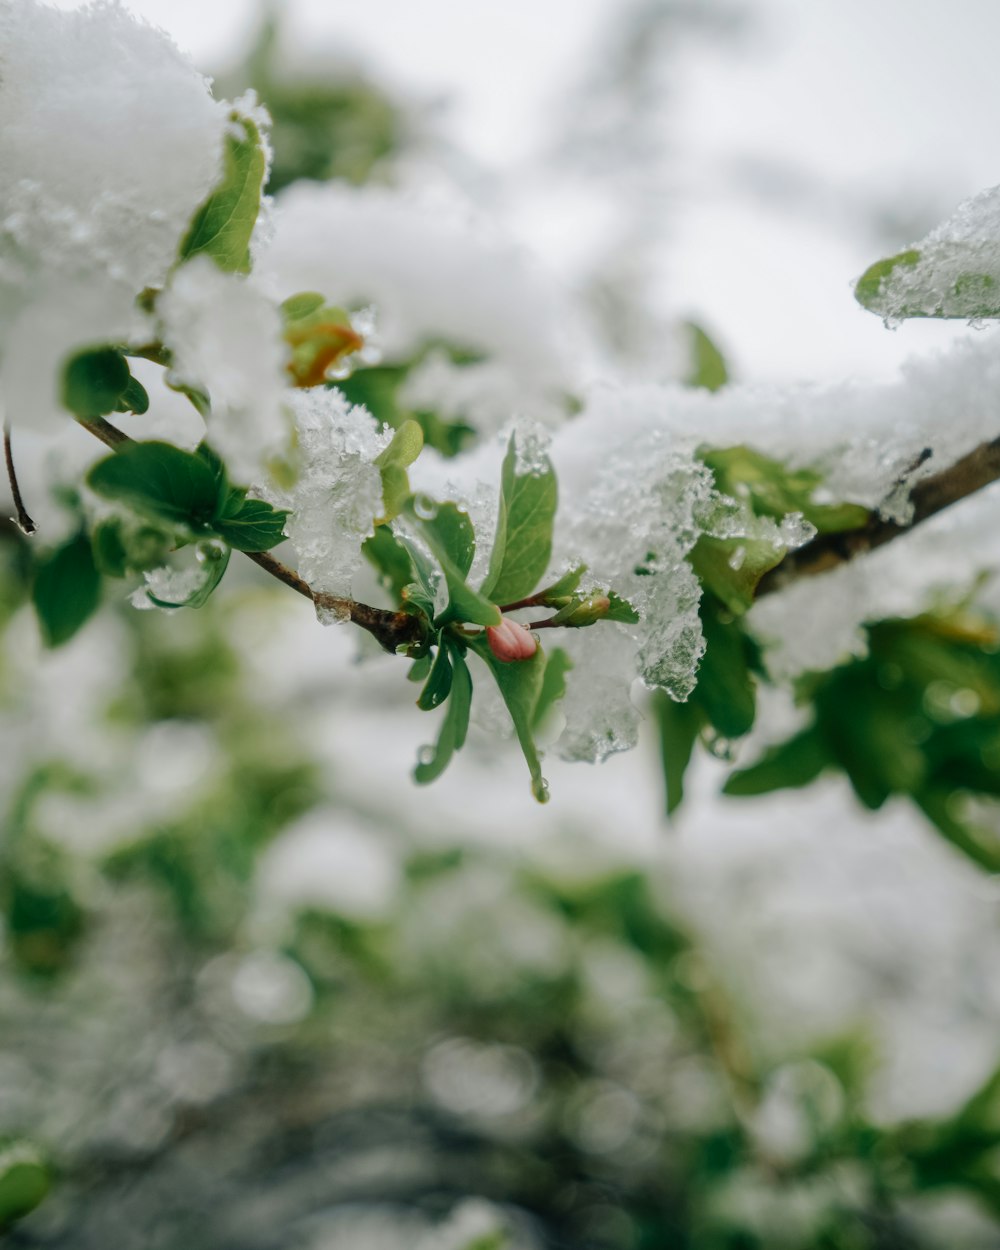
{"type": "Point", "coordinates": [22, 520]}
{"type": "Point", "coordinates": [932, 495]}
{"type": "Point", "coordinates": [391, 629]}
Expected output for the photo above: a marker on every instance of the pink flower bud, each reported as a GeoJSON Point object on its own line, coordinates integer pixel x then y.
{"type": "Point", "coordinates": [510, 641]}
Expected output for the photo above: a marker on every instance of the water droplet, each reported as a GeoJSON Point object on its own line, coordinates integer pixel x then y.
{"type": "Point", "coordinates": [426, 755]}
{"type": "Point", "coordinates": [540, 789]}
{"type": "Point", "coordinates": [737, 558]}
{"type": "Point", "coordinates": [210, 552]}
{"type": "Point", "coordinates": [425, 507]}
{"type": "Point", "coordinates": [721, 748]}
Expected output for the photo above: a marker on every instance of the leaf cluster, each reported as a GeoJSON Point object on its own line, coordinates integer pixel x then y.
{"type": "Point", "coordinates": [918, 716]}
{"type": "Point", "coordinates": [426, 563]}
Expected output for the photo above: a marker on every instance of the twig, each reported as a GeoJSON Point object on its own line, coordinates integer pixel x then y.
{"type": "Point", "coordinates": [22, 520]}
{"type": "Point", "coordinates": [392, 629]}
{"type": "Point", "coordinates": [965, 477]}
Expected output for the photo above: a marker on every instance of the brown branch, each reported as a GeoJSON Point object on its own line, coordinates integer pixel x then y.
{"type": "Point", "coordinates": [392, 629]}
{"type": "Point", "coordinates": [110, 435]}
{"type": "Point", "coordinates": [21, 518]}
{"type": "Point", "coordinates": [932, 495]}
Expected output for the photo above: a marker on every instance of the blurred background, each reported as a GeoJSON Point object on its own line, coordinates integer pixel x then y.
{"type": "Point", "coordinates": [260, 993]}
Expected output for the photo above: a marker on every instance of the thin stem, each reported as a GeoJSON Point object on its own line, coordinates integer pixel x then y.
{"type": "Point", "coordinates": [532, 601]}
{"type": "Point", "coordinates": [110, 435]}
{"type": "Point", "coordinates": [978, 469]}
{"type": "Point", "coordinates": [21, 518]}
{"type": "Point", "coordinates": [392, 629]}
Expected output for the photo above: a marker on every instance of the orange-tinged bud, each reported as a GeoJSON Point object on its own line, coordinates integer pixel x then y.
{"type": "Point", "coordinates": [509, 641]}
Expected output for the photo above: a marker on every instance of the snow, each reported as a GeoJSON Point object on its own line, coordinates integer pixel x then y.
{"type": "Point", "coordinates": [339, 488]}
{"type": "Point", "coordinates": [225, 336]}
{"type": "Point", "coordinates": [91, 208]}
{"type": "Point", "coordinates": [434, 271]}
{"type": "Point", "coordinates": [954, 271]}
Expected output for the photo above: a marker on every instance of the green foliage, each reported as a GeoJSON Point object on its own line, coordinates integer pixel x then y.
{"type": "Point", "coordinates": [337, 125]}
{"type": "Point", "coordinates": [125, 544]}
{"type": "Point", "coordinates": [98, 381]}
{"type": "Point", "coordinates": [406, 446]}
{"type": "Point", "coordinates": [66, 590]}
{"type": "Point", "coordinates": [918, 716]}
{"type": "Point", "coordinates": [378, 389]}
{"type": "Point", "coordinates": [320, 335]}
{"type": "Point", "coordinates": [187, 489]}
{"type": "Point", "coordinates": [732, 567]}
{"type": "Point", "coordinates": [160, 481]}
{"type": "Point", "coordinates": [946, 280]}
{"type": "Point", "coordinates": [214, 560]}
{"type": "Point", "coordinates": [390, 558]}
{"type": "Point", "coordinates": [222, 226]}
{"type": "Point", "coordinates": [708, 365]}
{"type": "Point", "coordinates": [522, 685]}
{"type": "Point", "coordinates": [455, 726]}
{"type": "Point", "coordinates": [249, 524]}
{"type": "Point", "coordinates": [25, 1179]}
{"type": "Point", "coordinates": [723, 704]}
{"type": "Point", "coordinates": [869, 288]}
{"type": "Point", "coordinates": [522, 545]}
{"type": "Point", "coordinates": [439, 679]}
{"type": "Point", "coordinates": [679, 725]}
{"type": "Point", "coordinates": [450, 536]}
{"type": "Point", "coordinates": [557, 666]}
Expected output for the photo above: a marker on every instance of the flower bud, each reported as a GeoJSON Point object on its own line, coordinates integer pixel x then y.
{"type": "Point", "coordinates": [588, 612]}
{"type": "Point", "coordinates": [509, 641]}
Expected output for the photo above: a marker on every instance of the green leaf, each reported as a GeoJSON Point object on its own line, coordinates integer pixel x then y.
{"type": "Point", "coordinates": [708, 366]}
{"type": "Point", "coordinates": [304, 304]}
{"type": "Point", "coordinates": [161, 481]}
{"type": "Point", "coordinates": [726, 691]}
{"type": "Point", "coordinates": [406, 445]}
{"type": "Point", "coordinates": [422, 592]}
{"type": "Point", "coordinates": [579, 613]}
{"type": "Point", "coordinates": [378, 390]}
{"type": "Point", "coordinates": [980, 845]}
{"type": "Point", "coordinates": [869, 289]}
{"type": "Point", "coordinates": [566, 585]}
{"type": "Point", "coordinates": [25, 1179]}
{"type": "Point", "coordinates": [134, 398]}
{"type": "Point", "coordinates": [95, 381]}
{"type": "Point", "coordinates": [774, 490]}
{"type": "Point", "coordinates": [251, 524]}
{"type": "Point", "coordinates": [520, 685]}
{"type": "Point", "coordinates": [420, 668]}
{"type": "Point", "coordinates": [214, 561]}
{"type": "Point", "coordinates": [387, 554]}
{"type": "Point", "coordinates": [66, 591]}
{"type": "Point", "coordinates": [122, 546]}
{"type": "Point", "coordinates": [455, 725]}
{"type": "Point", "coordinates": [558, 664]}
{"type": "Point", "coordinates": [522, 547]}
{"type": "Point", "coordinates": [789, 765]}
{"type": "Point", "coordinates": [679, 725]}
{"type": "Point", "coordinates": [451, 538]}
{"type": "Point", "coordinates": [320, 335]}
{"type": "Point", "coordinates": [222, 226]}
{"type": "Point", "coordinates": [439, 679]}
{"type": "Point", "coordinates": [731, 568]}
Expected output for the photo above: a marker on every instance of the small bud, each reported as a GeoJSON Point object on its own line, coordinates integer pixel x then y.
{"type": "Point", "coordinates": [509, 641]}
{"type": "Point", "coordinates": [588, 612]}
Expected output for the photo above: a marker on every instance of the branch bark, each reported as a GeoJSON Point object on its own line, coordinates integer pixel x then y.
{"type": "Point", "coordinates": [980, 468]}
